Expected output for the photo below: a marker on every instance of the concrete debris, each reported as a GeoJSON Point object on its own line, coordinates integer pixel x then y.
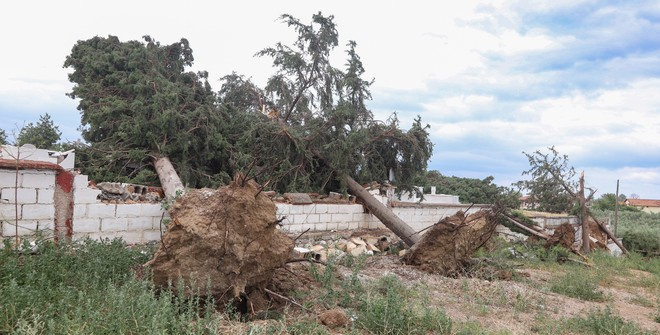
{"type": "Point", "coordinates": [298, 198]}
{"type": "Point", "coordinates": [129, 192]}
{"type": "Point", "coordinates": [336, 249]}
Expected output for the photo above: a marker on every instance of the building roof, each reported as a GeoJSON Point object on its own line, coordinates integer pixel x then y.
{"type": "Point", "coordinates": [643, 202]}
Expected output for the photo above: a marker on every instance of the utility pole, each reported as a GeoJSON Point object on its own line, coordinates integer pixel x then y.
{"type": "Point", "coordinates": [616, 208]}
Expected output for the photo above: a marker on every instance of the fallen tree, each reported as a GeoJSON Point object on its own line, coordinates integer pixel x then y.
{"type": "Point", "coordinates": [384, 214]}
{"type": "Point", "coordinates": [553, 180]}
{"type": "Point", "coordinates": [447, 247]}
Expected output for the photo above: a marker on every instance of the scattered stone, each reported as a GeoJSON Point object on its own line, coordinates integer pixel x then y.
{"type": "Point", "coordinates": [358, 241]}
{"type": "Point", "coordinates": [317, 248]}
{"type": "Point", "coordinates": [358, 250]}
{"type": "Point", "coordinates": [373, 248]}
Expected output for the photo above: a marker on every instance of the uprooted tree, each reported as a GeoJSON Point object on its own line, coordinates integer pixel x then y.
{"type": "Point", "coordinates": [307, 130]}
{"type": "Point", "coordinates": [139, 105]}
{"type": "Point", "coordinates": [554, 189]}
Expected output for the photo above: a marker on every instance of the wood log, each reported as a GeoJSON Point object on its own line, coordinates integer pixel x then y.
{"type": "Point", "coordinates": [527, 229]}
{"type": "Point", "coordinates": [168, 177]}
{"type": "Point", "coordinates": [408, 235]}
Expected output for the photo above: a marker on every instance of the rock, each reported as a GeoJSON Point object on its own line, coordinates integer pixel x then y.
{"type": "Point", "coordinates": [402, 252]}
{"type": "Point", "coordinates": [359, 250]}
{"type": "Point", "coordinates": [370, 239]}
{"type": "Point", "coordinates": [358, 241]}
{"type": "Point", "coordinates": [350, 246]}
{"type": "Point", "coordinates": [334, 318]}
{"type": "Point", "coordinates": [335, 254]}
{"type": "Point", "coordinates": [317, 248]}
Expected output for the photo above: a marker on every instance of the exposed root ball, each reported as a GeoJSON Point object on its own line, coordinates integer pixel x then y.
{"type": "Point", "coordinates": [448, 246]}
{"type": "Point", "coordinates": [221, 242]}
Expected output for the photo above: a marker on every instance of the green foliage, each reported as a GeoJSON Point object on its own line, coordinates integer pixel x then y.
{"type": "Point", "coordinates": [319, 129]}
{"type": "Point", "coordinates": [3, 137]}
{"type": "Point", "coordinates": [44, 134]}
{"type": "Point", "coordinates": [552, 181]}
{"type": "Point", "coordinates": [137, 101]}
{"type": "Point", "coordinates": [578, 283]}
{"type": "Point", "coordinates": [89, 288]}
{"type": "Point", "coordinates": [640, 230]}
{"type": "Point", "coordinates": [386, 309]}
{"type": "Point", "coordinates": [470, 190]}
{"type": "Point", "coordinates": [607, 202]}
{"type": "Point", "coordinates": [604, 321]}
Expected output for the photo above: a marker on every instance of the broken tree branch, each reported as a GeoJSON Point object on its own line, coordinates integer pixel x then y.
{"type": "Point", "coordinates": [525, 228]}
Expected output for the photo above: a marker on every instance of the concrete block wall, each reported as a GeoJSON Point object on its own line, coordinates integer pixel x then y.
{"type": "Point", "coordinates": [34, 197]}
{"type": "Point", "coordinates": [134, 223]}
{"type": "Point", "coordinates": [327, 217]}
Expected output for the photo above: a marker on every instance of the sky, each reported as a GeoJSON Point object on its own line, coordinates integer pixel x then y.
{"type": "Point", "coordinates": [493, 79]}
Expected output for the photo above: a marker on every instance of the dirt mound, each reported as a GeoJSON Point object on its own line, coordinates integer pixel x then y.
{"type": "Point", "coordinates": [448, 246]}
{"type": "Point", "coordinates": [223, 242]}
{"type": "Point", "coordinates": [564, 235]}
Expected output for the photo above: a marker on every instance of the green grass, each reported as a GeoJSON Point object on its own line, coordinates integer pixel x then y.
{"type": "Point", "coordinates": [578, 283]}
{"type": "Point", "coordinates": [89, 288]}
{"type": "Point", "coordinates": [640, 231]}
{"type": "Point", "coordinates": [598, 321]}
{"type": "Point", "coordinates": [387, 307]}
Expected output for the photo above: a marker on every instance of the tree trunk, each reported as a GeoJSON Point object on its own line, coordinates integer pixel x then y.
{"type": "Point", "coordinates": [168, 177]}
{"type": "Point", "coordinates": [384, 214]}
{"type": "Point", "coordinates": [583, 216]}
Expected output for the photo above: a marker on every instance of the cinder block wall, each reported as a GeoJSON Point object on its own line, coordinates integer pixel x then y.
{"type": "Point", "coordinates": [326, 217]}
{"type": "Point", "coordinates": [141, 223]}
{"type": "Point", "coordinates": [34, 196]}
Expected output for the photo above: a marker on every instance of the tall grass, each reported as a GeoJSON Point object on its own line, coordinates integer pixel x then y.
{"type": "Point", "coordinates": [89, 288]}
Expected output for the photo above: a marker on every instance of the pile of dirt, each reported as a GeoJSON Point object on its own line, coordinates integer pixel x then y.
{"type": "Point", "coordinates": [448, 246]}
{"type": "Point", "coordinates": [221, 242]}
{"type": "Point", "coordinates": [564, 235]}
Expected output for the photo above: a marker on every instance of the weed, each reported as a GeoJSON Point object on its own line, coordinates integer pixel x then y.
{"type": "Point", "coordinates": [603, 322]}
{"type": "Point", "coordinates": [386, 309]}
{"type": "Point", "coordinates": [89, 287]}
{"type": "Point", "coordinates": [578, 283]}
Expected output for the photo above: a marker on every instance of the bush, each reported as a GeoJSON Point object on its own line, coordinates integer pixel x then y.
{"type": "Point", "coordinates": [640, 230]}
